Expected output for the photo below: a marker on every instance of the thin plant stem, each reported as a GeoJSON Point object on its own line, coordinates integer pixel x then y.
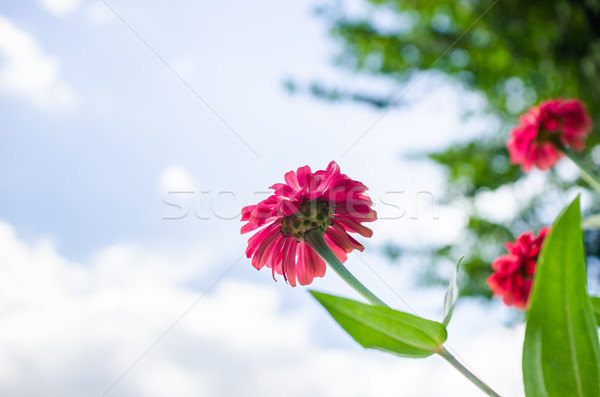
{"type": "Point", "coordinates": [317, 242]}
{"type": "Point", "coordinates": [586, 174]}
{"type": "Point", "coordinates": [468, 374]}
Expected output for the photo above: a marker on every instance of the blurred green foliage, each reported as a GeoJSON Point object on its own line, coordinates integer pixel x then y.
{"type": "Point", "coordinates": [515, 53]}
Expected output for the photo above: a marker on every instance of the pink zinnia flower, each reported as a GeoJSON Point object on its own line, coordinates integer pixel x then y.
{"type": "Point", "coordinates": [327, 202]}
{"type": "Point", "coordinates": [514, 272]}
{"type": "Point", "coordinates": [544, 129]}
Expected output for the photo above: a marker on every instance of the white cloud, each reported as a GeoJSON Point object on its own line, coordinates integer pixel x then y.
{"type": "Point", "coordinates": [179, 192]}
{"type": "Point", "coordinates": [176, 178]}
{"type": "Point", "coordinates": [99, 14]}
{"type": "Point", "coordinates": [71, 329]}
{"type": "Point", "coordinates": [59, 8]}
{"type": "Point", "coordinates": [27, 72]}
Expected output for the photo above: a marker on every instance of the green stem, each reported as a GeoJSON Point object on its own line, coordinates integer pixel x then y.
{"type": "Point", "coordinates": [468, 374]}
{"type": "Point", "coordinates": [317, 242]}
{"type": "Point", "coordinates": [586, 174]}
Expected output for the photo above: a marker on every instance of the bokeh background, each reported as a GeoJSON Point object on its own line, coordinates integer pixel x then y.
{"type": "Point", "coordinates": [133, 132]}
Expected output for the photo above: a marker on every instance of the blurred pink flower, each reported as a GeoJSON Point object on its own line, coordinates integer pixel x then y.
{"type": "Point", "coordinates": [555, 122]}
{"type": "Point", "coordinates": [327, 201]}
{"type": "Point", "coordinates": [514, 272]}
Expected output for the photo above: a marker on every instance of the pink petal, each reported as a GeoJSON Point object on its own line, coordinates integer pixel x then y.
{"type": "Point", "coordinates": [289, 263]}
{"type": "Point", "coordinates": [304, 176]}
{"type": "Point", "coordinates": [353, 226]}
{"type": "Point", "coordinates": [343, 239]}
{"type": "Point", "coordinates": [254, 241]}
{"type": "Point", "coordinates": [305, 267]}
{"type": "Point", "coordinates": [337, 250]}
{"type": "Point", "coordinates": [318, 263]}
{"type": "Point", "coordinates": [292, 180]}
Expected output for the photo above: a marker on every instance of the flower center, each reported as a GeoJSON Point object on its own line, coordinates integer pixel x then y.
{"type": "Point", "coordinates": [312, 215]}
{"type": "Point", "coordinates": [544, 135]}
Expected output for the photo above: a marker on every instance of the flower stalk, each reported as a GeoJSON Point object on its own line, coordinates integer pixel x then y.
{"type": "Point", "coordinates": [317, 242]}
{"type": "Point", "coordinates": [468, 374]}
{"type": "Point", "coordinates": [586, 174]}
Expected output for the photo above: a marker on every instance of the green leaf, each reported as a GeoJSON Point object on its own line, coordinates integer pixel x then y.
{"type": "Point", "coordinates": [591, 222]}
{"type": "Point", "coordinates": [382, 328]}
{"type": "Point", "coordinates": [561, 354]}
{"type": "Point", "coordinates": [596, 308]}
{"type": "Point", "coordinates": [451, 295]}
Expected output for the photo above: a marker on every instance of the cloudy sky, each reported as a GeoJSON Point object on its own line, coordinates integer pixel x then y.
{"type": "Point", "coordinates": [132, 134]}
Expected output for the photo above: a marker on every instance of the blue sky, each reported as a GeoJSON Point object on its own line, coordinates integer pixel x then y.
{"type": "Point", "coordinates": [100, 127]}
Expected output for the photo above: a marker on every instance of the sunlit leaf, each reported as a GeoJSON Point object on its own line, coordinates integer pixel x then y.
{"type": "Point", "coordinates": [451, 295]}
{"type": "Point", "coordinates": [561, 355]}
{"type": "Point", "coordinates": [382, 328]}
{"type": "Point", "coordinates": [596, 308]}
